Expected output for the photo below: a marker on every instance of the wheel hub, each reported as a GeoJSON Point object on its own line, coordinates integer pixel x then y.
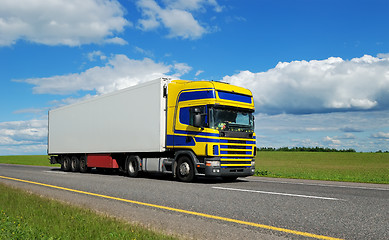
{"type": "Point", "coordinates": [184, 169]}
{"type": "Point", "coordinates": [131, 167]}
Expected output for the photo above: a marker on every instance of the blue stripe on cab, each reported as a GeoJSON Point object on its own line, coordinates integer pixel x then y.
{"type": "Point", "coordinates": [196, 133]}
{"type": "Point", "coordinates": [234, 147]}
{"type": "Point", "coordinates": [186, 96]}
{"type": "Point", "coordinates": [248, 141]}
{"type": "Point", "coordinates": [234, 97]}
{"type": "Point", "coordinates": [242, 153]}
{"type": "Point", "coordinates": [174, 140]}
{"type": "Point", "coordinates": [200, 139]}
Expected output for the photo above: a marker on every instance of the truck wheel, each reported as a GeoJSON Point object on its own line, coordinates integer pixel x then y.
{"type": "Point", "coordinates": [132, 166]}
{"type": "Point", "coordinates": [66, 164]}
{"type": "Point", "coordinates": [83, 165]}
{"type": "Point", "coordinates": [185, 169]}
{"type": "Point", "coordinates": [75, 164]}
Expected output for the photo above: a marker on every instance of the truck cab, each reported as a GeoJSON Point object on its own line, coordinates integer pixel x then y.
{"type": "Point", "coordinates": [210, 128]}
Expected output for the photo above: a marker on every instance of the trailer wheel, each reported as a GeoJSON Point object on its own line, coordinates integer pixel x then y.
{"type": "Point", "coordinates": [75, 164]}
{"type": "Point", "coordinates": [185, 169]}
{"type": "Point", "coordinates": [132, 166]}
{"type": "Point", "coordinates": [66, 164]}
{"type": "Point", "coordinates": [83, 165]}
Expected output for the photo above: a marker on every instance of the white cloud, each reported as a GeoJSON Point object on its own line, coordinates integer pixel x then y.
{"type": "Point", "coordinates": [381, 135]}
{"type": "Point", "coordinates": [332, 141]}
{"type": "Point", "coordinates": [347, 136]}
{"type": "Point", "coordinates": [176, 17]}
{"type": "Point", "coordinates": [37, 111]}
{"type": "Point", "coordinates": [23, 137]}
{"type": "Point", "coordinates": [193, 5]}
{"type": "Point", "coordinates": [329, 85]}
{"type": "Point", "coordinates": [199, 72]}
{"type": "Point", "coordinates": [96, 54]}
{"type": "Point", "coordinates": [23, 132]}
{"type": "Point", "coordinates": [118, 73]}
{"type": "Point", "coordinates": [61, 22]}
{"type": "Point", "coordinates": [147, 53]}
{"type": "Point", "coordinates": [116, 40]}
{"type": "Point", "coordinates": [181, 69]}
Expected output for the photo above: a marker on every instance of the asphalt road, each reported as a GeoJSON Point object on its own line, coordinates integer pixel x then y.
{"type": "Point", "coordinates": [250, 208]}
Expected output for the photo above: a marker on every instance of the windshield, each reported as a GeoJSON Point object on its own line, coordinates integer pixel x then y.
{"type": "Point", "coordinates": [231, 120]}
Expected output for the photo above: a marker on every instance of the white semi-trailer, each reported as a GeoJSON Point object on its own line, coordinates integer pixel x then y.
{"type": "Point", "coordinates": [171, 126]}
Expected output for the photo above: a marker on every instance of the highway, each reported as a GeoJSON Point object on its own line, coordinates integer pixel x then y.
{"type": "Point", "coordinates": [250, 208]}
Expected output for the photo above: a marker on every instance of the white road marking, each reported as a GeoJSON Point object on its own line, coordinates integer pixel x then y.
{"type": "Point", "coordinates": [276, 193]}
{"type": "Point", "coordinates": [56, 172]}
{"type": "Point", "coordinates": [317, 184]}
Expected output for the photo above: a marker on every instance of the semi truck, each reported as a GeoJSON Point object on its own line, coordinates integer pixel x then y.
{"type": "Point", "coordinates": [179, 127]}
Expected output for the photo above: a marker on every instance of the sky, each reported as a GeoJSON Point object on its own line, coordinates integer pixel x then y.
{"type": "Point", "coordinates": [318, 69]}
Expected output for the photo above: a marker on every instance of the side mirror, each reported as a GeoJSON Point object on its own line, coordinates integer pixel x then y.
{"type": "Point", "coordinates": [196, 110]}
{"type": "Point", "coordinates": [197, 120]}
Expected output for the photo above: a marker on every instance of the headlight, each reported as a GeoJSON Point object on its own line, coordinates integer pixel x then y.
{"type": "Point", "coordinates": [252, 163]}
{"type": "Point", "coordinates": [212, 163]}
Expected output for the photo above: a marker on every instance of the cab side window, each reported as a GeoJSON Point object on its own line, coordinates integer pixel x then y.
{"type": "Point", "coordinates": [187, 115]}
{"type": "Point", "coordinates": [184, 115]}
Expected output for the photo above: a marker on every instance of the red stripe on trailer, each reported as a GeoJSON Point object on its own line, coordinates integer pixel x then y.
{"type": "Point", "coordinates": [101, 161]}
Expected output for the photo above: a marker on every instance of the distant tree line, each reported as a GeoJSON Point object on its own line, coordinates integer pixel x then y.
{"type": "Point", "coordinates": [380, 151]}
{"type": "Point", "coordinates": [304, 149]}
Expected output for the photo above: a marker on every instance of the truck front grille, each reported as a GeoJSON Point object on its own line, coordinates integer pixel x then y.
{"type": "Point", "coordinates": [236, 153]}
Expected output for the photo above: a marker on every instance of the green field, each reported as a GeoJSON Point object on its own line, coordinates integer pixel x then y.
{"type": "Point", "coordinates": [27, 216]}
{"type": "Point", "coordinates": [334, 166]}
{"type": "Point", "coordinates": [37, 160]}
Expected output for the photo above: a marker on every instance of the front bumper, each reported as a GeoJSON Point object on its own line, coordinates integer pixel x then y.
{"type": "Point", "coordinates": [229, 172]}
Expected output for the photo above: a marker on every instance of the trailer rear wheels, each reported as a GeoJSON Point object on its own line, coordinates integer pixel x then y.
{"type": "Point", "coordinates": [65, 166]}
{"type": "Point", "coordinates": [75, 164]}
{"type": "Point", "coordinates": [83, 166]}
{"type": "Point", "coordinates": [185, 169]}
{"type": "Point", "coordinates": [132, 166]}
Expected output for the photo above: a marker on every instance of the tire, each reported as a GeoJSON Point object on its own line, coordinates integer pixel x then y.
{"type": "Point", "coordinates": [65, 166]}
{"type": "Point", "coordinates": [75, 164]}
{"type": "Point", "coordinates": [185, 169]}
{"type": "Point", "coordinates": [132, 166]}
{"type": "Point", "coordinates": [83, 165]}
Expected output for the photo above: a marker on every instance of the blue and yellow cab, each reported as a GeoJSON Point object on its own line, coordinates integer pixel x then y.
{"type": "Point", "coordinates": [210, 129]}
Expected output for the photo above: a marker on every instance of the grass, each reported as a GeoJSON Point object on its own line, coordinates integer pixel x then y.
{"type": "Point", "coordinates": [37, 160]}
{"type": "Point", "coordinates": [27, 216]}
{"type": "Point", "coordinates": [334, 166]}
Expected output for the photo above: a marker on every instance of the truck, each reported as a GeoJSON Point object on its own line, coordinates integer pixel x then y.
{"type": "Point", "coordinates": [179, 127]}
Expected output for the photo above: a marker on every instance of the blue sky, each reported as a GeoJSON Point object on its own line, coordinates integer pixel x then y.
{"type": "Point", "coordinates": [319, 70]}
